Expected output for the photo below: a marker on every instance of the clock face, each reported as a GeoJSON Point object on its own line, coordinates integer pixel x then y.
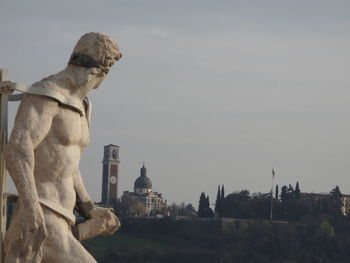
{"type": "Point", "coordinates": [113, 179]}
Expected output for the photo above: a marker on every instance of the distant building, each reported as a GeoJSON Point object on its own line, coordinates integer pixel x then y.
{"type": "Point", "coordinates": [346, 204]}
{"type": "Point", "coordinates": [153, 202]}
{"type": "Point", "coordinates": [313, 199]}
{"type": "Point", "coordinates": [110, 175]}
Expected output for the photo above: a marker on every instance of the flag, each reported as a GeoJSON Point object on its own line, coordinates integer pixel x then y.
{"type": "Point", "coordinates": [273, 173]}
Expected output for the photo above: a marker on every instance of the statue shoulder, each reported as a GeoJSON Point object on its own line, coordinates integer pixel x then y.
{"type": "Point", "coordinates": [38, 105]}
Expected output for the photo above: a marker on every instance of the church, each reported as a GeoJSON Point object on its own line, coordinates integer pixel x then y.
{"type": "Point", "coordinates": [153, 202]}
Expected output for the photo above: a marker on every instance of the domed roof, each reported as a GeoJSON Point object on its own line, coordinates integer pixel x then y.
{"type": "Point", "coordinates": [143, 181]}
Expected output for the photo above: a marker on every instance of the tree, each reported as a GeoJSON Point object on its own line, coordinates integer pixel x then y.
{"type": "Point", "coordinates": [174, 210]}
{"type": "Point", "coordinates": [190, 211]}
{"type": "Point", "coordinates": [222, 193]}
{"type": "Point", "coordinates": [222, 199]}
{"type": "Point", "coordinates": [261, 206]}
{"type": "Point", "coordinates": [276, 192]}
{"type": "Point", "coordinates": [182, 208]}
{"type": "Point", "coordinates": [237, 205]}
{"type": "Point", "coordinates": [292, 208]}
{"type": "Point", "coordinates": [284, 193]}
{"type": "Point", "coordinates": [326, 229]}
{"type": "Point", "coordinates": [336, 203]}
{"type": "Point", "coordinates": [121, 207]}
{"type": "Point", "coordinates": [290, 193]}
{"type": "Point", "coordinates": [218, 202]}
{"type": "Point", "coordinates": [126, 207]}
{"type": "Point", "coordinates": [204, 209]}
{"type": "Point", "coordinates": [204, 206]}
{"type": "Point", "coordinates": [209, 211]}
{"type": "Point", "coordinates": [297, 192]}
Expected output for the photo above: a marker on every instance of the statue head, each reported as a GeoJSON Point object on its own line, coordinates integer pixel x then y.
{"type": "Point", "coordinates": [95, 50]}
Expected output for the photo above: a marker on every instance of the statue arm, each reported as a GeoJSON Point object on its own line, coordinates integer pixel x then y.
{"type": "Point", "coordinates": [32, 124]}
{"type": "Point", "coordinates": [103, 222]}
{"type": "Point", "coordinates": [100, 220]}
{"type": "Point", "coordinates": [84, 203]}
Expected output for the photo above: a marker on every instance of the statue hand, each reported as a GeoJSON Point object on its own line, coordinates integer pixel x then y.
{"type": "Point", "coordinates": [27, 234]}
{"type": "Point", "coordinates": [103, 222]}
{"type": "Point", "coordinates": [109, 221]}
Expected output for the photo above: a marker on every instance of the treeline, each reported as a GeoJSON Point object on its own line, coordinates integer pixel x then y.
{"type": "Point", "coordinates": [319, 241]}
{"type": "Point", "coordinates": [129, 208]}
{"type": "Point", "coordinates": [183, 209]}
{"type": "Point", "coordinates": [314, 231]}
{"type": "Point", "coordinates": [288, 204]}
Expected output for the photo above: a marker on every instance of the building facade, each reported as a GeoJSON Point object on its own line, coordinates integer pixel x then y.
{"type": "Point", "coordinates": [346, 205]}
{"type": "Point", "coordinates": [152, 202]}
{"type": "Point", "coordinates": [312, 199]}
{"type": "Point", "coordinates": [110, 175]}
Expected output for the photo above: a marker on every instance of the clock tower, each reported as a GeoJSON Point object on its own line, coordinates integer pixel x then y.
{"type": "Point", "coordinates": [110, 175]}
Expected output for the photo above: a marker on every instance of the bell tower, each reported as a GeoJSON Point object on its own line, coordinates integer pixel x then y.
{"type": "Point", "coordinates": [110, 175]}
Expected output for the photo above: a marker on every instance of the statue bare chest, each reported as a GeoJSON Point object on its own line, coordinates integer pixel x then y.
{"type": "Point", "coordinates": [70, 128]}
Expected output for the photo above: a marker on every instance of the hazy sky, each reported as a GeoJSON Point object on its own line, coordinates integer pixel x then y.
{"type": "Point", "coordinates": [207, 92]}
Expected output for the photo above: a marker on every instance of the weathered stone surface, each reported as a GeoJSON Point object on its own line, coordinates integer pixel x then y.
{"type": "Point", "coordinates": [42, 157]}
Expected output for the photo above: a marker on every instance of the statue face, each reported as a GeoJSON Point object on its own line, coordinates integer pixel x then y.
{"type": "Point", "coordinates": [99, 81]}
{"type": "Point", "coordinates": [96, 77]}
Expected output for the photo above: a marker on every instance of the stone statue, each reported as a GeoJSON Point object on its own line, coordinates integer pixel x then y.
{"type": "Point", "coordinates": [50, 132]}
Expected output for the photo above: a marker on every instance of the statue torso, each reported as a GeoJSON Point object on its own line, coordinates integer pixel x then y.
{"type": "Point", "coordinates": [57, 157]}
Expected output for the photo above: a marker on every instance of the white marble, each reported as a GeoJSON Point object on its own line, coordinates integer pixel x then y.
{"type": "Point", "coordinates": [42, 157]}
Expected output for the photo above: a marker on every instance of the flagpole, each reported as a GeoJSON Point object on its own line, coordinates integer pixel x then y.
{"type": "Point", "coordinates": [273, 176]}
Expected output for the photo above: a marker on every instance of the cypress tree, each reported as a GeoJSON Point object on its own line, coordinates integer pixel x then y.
{"type": "Point", "coordinates": [209, 212]}
{"type": "Point", "coordinates": [297, 191]}
{"type": "Point", "coordinates": [207, 206]}
{"type": "Point", "coordinates": [218, 202]}
{"type": "Point", "coordinates": [222, 192]}
{"type": "Point", "coordinates": [202, 205]}
{"type": "Point", "coordinates": [276, 192]}
{"type": "Point", "coordinates": [290, 192]}
{"type": "Point", "coordinates": [283, 194]}
{"type": "Point", "coordinates": [336, 203]}
{"type": "Point", "coordinates": [222, 200]}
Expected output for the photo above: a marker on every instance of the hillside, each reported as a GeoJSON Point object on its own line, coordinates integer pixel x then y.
{"type": "Point", "coordinates": [251, 242]}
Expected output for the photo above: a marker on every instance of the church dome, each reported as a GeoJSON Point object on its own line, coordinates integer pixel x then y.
{"type": "Point", "coordinates": [143, 182]}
